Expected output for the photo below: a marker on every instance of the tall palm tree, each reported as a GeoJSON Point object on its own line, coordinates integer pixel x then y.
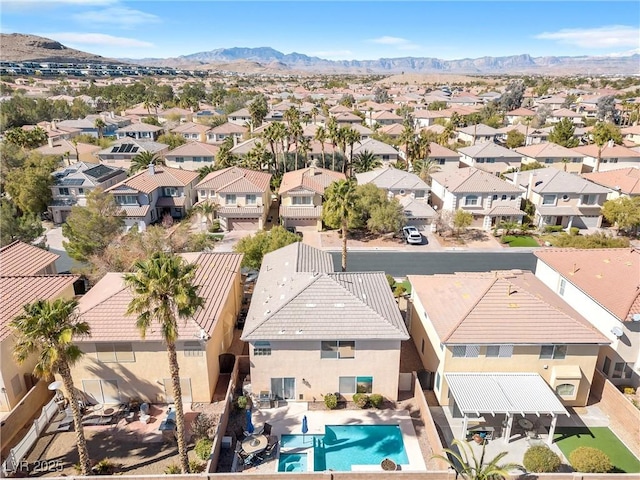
{"type": "Point", "coordinates": [304, 147]}
{"type": "Point", "coordinates": [351, 137]}
{"type": "Point", "coordinates": [206, 170]}
{"type": "Point", "coordinates": [321, 136]}
{"type": "Point", "coordinates": [208, 210]}
{"type": "Point", "coordinates": [424, 168]}
{"type": "Point", "coordinates": [99, 123]}
{"type": "Point", "coordinates": [334, 137]}
{"type": "Point", "coordinates": [142, 160]}
{"type": "Point", "coordinates": [48, 328]}
{"type": "Point", "coordinates": [406, 138]}
{"type": "Point", "coordinates": [163, 292]}
{"type": "Point", "coordinates": [341, 202]}
{"type": "Point", "coordinates": [365, 161]}
{"type": "Point", "coordinates": [473, 468]}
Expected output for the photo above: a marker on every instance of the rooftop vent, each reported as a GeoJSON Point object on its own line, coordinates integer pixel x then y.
{"type": "Point", "coordinates": [617, 331]}
{"type": "Point", "coordinates": [636, 317]}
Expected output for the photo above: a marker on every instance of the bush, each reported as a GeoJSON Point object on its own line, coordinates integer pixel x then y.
{"type": "Point", "coordinates": [391, 281]}
{"type": "Point", "coordinates": [203, 448]}
{"type": "Point", "coordinates": [204, 426]}
{"type": "Point", "coordinates": [331, 401]}
{"type": "Point", "coordinates": [172, 469]}
{"type": "Point", "coordinates": [596, 240]}
{"type": "Point", "coordinates": [541, 459]}
{"type": "Point", "coordinates": [361, 400]}
{"type": "Point", "coordinates": [553, 228]}
{"type": "Point", "coordinates": [215, 226]}
{"type": "Point", "coordinates": [628, 390]}
{"type": "Point", "coordinates": [589, 460]}
{"type": "Point", "coordinates": [399, 291]}
{"type": "Point", "coordinates": [574, 230]}
{"type": "Point", "coordinates": [242, 402]}
{"type": "Point", "coordinates": [196, 467]}
{"type": "Point", "coordinates": [376, 400]}
{"type": "Point", "coordinates": [105, 467]}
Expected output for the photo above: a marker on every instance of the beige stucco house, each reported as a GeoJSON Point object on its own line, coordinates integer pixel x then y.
{"type": "Point", "coordinates": [552, 155]}
{"type": "Point", "coordinates": [192, 156]}
{"type": "Point", "coordinates": [490, 157]}
{"type": "Point", "coordinates": [118, 364]}
{"type": "Point", "coordinates": [620, 182]}
{"type": "Point", "coordinates": [312, 331]}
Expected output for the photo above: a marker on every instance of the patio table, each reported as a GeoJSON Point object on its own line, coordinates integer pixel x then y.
{"type": "Point", "coordinates": [255, 443]}
{"type": "Point", "coordinates": [525, 424]}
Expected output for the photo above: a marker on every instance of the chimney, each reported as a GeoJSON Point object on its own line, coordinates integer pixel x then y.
{"type": "Point", "coordinates": [530, 186]}
{"type": "Point", "coordinates": [112, 115]}
{"type": "Point", "coordinates": [312, 171]}
{"type": "Point", "coordinates": [50, 141]}
{"type": "Point", "coordinates": [610, 144]}
{"type": "Point", "coordinates": [152, 169]}
{"type": "Point", "coordinates": [515, 178]}
{"type": "Point", "coordinates": [53, 125]}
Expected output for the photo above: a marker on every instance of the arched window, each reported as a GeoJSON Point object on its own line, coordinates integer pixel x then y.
{"type": "Point", "coordinates": [565, 389]}
{"type": "Point", "coordinates": [471, 200]}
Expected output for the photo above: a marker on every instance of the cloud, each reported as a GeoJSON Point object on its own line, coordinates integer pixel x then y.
{"type": "Point", "coordinates": [397, 42]}
{"type": "Point", "coordinates": [77, 40]}
{"type": "Point", "coordinates": [120, 16]}
{"type": "Point", "coordinates": [334, 54]}
{"type": "Point", "coordinates": [612, 36]}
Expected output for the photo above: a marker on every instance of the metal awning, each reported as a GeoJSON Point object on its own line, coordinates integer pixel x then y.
{"type": "Point", "coordinates": [504, 393]}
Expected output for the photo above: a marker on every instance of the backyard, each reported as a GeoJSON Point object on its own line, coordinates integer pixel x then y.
{"type": "Point", "coordinates": [520, 241]}
{"type": "Point", "coordinates": [602, 438]}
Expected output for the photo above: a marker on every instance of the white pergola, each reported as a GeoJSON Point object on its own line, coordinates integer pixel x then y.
{"type": "Point", "coordinates": [510, 394]}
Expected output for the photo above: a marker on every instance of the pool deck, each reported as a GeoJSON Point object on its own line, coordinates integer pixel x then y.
{"type": "Point", "coordinates": [287, 420]}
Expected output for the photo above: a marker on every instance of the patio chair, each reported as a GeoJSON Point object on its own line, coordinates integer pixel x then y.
{"type": "Point", "coordinates": [266, 430]}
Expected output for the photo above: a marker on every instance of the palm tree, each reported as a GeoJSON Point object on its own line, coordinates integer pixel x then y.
{"type": "Point", "coordinates": [99, 123]}
{"type": "Point", "coordinates": [163, 292]}
{"type": "Point", "coordinates": [206, 170]}
{"type": "Point", "coordinates": [304, 146]}
{"type": "Point", "coordinates": [341, 202]}
{"type": "Point", "coordinates": [406, 138]}
{"type": "Point", "coordinates": [321, 136]}
{"type": "Point", "coordinates": [48, 328]}
{"type": "Point", "coordinates": [424, 168]}
{"type": "Point", "coordinates": [208, 210]}
{"type": "Point", "coordinates": [142, 160]}
{"type": "Point", "coordinates": [334, 137]}
{"type": "Point", "coordinates": [473, 468]}
{"type": "Point", "coordinates": [366, 161]}
{"type": "Point", "coordinates": [351, 137]}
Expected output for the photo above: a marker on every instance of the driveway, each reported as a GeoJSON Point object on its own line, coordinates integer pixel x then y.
{"type": "Point", "coordinates": [54, 241]}
{"type": "Point", "coordinates": [231, 238]}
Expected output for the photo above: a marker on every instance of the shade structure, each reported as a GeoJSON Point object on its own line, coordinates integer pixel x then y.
{"type": "Point", "coordinates": [55, 385]}
{"type": "Point", "coordinates": [305, 427]}
{"type": "Point", "coordinates": [250, 427]}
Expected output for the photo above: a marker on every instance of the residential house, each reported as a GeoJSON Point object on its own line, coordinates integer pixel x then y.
{"type": "Point", "coordinates": [221, 132]}
{"type": "Point", "coordinates": [488, 198]}
{"type": "Point", "coordinates": [552, 155]}
{"type": "Point", "coordinates": [87, 125]}
{"type": "Point", "coordinates": [139, 131]}
{"type": "Point", "coordinates": [562, 113]}
{"type": "Point", "coordinates": [384, 118]}
{"type": "Point", "coordinates": [445, 158]}
{"type": "Point", "coordinates": [240, 117]}
{"type": "Point", "coordinates": [561, 198]}
{"type": "Point", "coordinates": [500, 326]}
{"type": "Point", "coordinates": [631, 134]}
{"type": "Point", "coordinates": [427, 118]}
{"type": "Point", "coordinates": [192, 156]}
{"type": "Point", "coordinates": [154, 192]}
{"type": "Point", "coordinates": [301, 193]}
{"type": "Point", "coordinates": [246, 146]}
{"type": "Point", "coordinates": [464, 101]}
{"type": "Point", "coordinates": [175, 114]}
{"type": "Point", "coordinates": [72, 184]}
{"type": "Point", "coordinates": [532, 135]}
{"type": "Point", "coordinates": [315, 155]}
{"type": "Point", "coordinates": [553, 102]}
{"type": "Point", "coordinates": [489, 157]}
{"type": "Point", "coordinates": [393, 131]}
{"type": "Point", "coordinates": [620, 182]}
{"type": "Point", "coordinates": [243, 197]}
{"type": "Point", "coordinates": [120, 153]}
{"type": "Point", "coordinates": [479, 133]}
{"type": "Point", "coordinates": [347, 118]}
{"type": "Point", "coordinates": [612, 157]}
{"type": "Point", "coordinates": [604, 286]}
{"type": "Point", "coordinates": [519, 115]}
{"type": "Point", "coordinates": [69, 151]}
{"type": "Point", "coordinates": [409, 189]}
{"type": "Point", "coordinates": [381, 151]}
{"type": "Point", "coordinates": [192, 132]}
{"type": "Point", "coordinates": [118, 364]}
{"type": "Point", "coordinates": [312, 331]}
{"type": "Point", "coordinates": [21, 259]}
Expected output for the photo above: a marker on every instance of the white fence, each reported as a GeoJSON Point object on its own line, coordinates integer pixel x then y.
{"type": "Point", "coordinates": [17, 453]}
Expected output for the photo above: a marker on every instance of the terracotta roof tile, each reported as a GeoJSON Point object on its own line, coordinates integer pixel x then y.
{"type": "Point", "coordinates": [317, 182]}
{"type": "Point", "coordinates": [626, 179]}
{"type": "Point", "coordinates": [19, 258]}
{"type": "Point", "coordinates": [191, 149]}
{"type": "Point", "coordinates": [163, 176]}
{"type": "Point", "coordinates": [256, 181]}
{"type": "Point", "coordinates": [473, 180]}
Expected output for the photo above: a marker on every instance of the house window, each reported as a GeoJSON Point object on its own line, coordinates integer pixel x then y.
{"type": "Point", "coordinates": [192, 349]}
{"type": "Point", "coordinates": [622, 370]}
{"type": "Point", "coordinates": [548, 199]}
{"type": "Point", "coordinates": [115, 352]}
{"type": "Point", "coordinates": [230, 200]}
{"type": "Point", "coordinates": [499, 351]}
{"type": "Point", "coordinates": [338, 349]}
{"type": "Point", "coordinates": [422, 347]}
{"type": "Point", "coordinates": [504, 197]}
{"type": "Point", "coordinates": [169, 192]}
{"type": "Point", "coordinates": [467, 351]}
{"type": "Point", "coordinates": [562, 286]}
{"type": "Point", "coordinates": [202, 194]}
{"type": "Point", "coordinates": [80, 191]}
{"type": "Point", "coordinates": [589, 199]}
{"type": "Point", "coordinates": [179, 159]}
{"type": "Point", "coordinates": [385, 157]}
{"type": "Point", "coordinates": [480, 160]}
{"type": "Point", "coordinates": [491, 160]}
{"type": "Point", "coordinates": [439, 161]}
{"type": "Point", "coordinates": [63, 191]}
{"type": "Point", "coordinates": [556, 352]}
{"type": "Point", "coordinates": [301, 200]}
{"type": "Point", "coordinates": [565, 390]}
{"type": "Point", "coordinates": [606, 366]}
{"type": "Point", "coordinates": [576, 160]}
{"type": "Point", "coordinates": [251, 200]}
{"type": "Point", "coordinates": [437, 382]}
{"type": "Point", "coordinates": [613, 160]}
{"type": "Point", "coordinates": [548, 160]}
{"type": "Point", "coordinates": [262, 349]}
{"type": "Point", "coordinates": [419, 193]}
{"type": "Point", "coordinates": [350, 385]}
{"type": "Point", "coordinates": [16, 385]}
{"type": "Point", "coordinates": [494, 197]}
{"type": "Point", "coordinates": [471, 200]}
{"type": "Point", "coordinates": [126, 200]}
{"type": "Point", "coordinates": [197, 159]}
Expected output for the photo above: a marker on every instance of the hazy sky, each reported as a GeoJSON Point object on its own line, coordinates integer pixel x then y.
{"type": "Point", "coordinates": [333, 30]}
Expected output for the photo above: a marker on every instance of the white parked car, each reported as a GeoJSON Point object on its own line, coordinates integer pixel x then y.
{"type": "Point", "coordinates": [412, 235]}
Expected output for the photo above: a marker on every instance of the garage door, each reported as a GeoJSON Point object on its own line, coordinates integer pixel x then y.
{"type": "Point", "coordinates": [301, 222]}
{"type": "Point", "coordinates": [242, 224]}
{"type": "Point", "coordinates": [420, 223]}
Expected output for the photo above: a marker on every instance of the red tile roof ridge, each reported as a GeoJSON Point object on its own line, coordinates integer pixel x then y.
{"type": "Point", "coordinates": [469, 310]}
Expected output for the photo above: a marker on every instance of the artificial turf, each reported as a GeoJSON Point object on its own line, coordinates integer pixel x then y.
{"type": "Point", "coordinates": [602, 438]}
{"type": "Point", "coordinates": [520, 241]}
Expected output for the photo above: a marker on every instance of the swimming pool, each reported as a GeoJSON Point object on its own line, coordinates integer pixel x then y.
{"type": "Point", "coordinates": [292, 462]}
{"type": "Point", "coordinates": [342, 446]}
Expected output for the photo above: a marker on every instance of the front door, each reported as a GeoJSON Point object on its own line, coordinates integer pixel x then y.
{"type": "Point", "coordinates": [283, 388]}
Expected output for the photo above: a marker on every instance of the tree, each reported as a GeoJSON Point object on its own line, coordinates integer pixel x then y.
{"type": "Point", "coordinates": [172, 139]}
{"type": "Point", "coordinates": [33, 138]}
{"type": "Point", "coordinates": [563, 133]}
{"type": "Point", "coordinates": [255, 247]}
{"type": "Point", "coordinates": [606, 108]}
{"type": "Point", "coordinates": [30, 186]}
{"type": "Point", "coordinates": [339, 208]}
{"type": "Point", "coordinates": [208, 211]}
{"type": "Point", "coordinates": [380, 95]}
{"type": "Point", "coordinates": [48, 328]}
{"type": "Point", "coordinates": [163, 293]}
{"type": "Point", "coordinates": [258, 110]}
{"type": "Point", "coordinates": [462, 220]}
{"type": "Point", "coordinates": [365, 161]}
{"type": "Point", "coordinates": [623, 212]}
{"type": "Point", "coordinates": [321, 136]}
{"type": "Point", "coordinates": [347, 100]}
{"type": "Point", "coordinates": [602, 134]}
{"type": "Point", "coordinates": [469, 467]}
{"type": "Point", "coordinates": [91, 228]}
{"type": "Point", "coordinates": [387, 218]}
{"type": "Point", "coordinates": [26, 228]}
{"type": "Point", "coordinates": [142, 161]}
{"type": "Point", "coordinates": [425, 168]}
{"type": "Point", "coordinates": [99, 124]}
{"type": "Point", "coordinates": [512, 97]}
{"type": "Point", "coordinates": [515, 139]}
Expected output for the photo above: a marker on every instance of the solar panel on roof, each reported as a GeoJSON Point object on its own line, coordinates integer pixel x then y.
{"type": "Point", "coordinates": [115, 149]}
{"type": "Point", "coordinates": [134, 150]}
{"type": "Point", "coordinates": [99, 171]}
{"type": "Point", "coordinates": [128, 148]}
{"type": "Point", "coordinates": [72, 181]}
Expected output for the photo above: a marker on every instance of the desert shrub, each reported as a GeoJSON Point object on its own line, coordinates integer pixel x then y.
{"type": "Point", "coordinates": [105, 467]}
{"type": "Point", "coordinates": [203, 448]}
{"type": "Point", "coordinates": [541, 459]}
{"type": "Point", "coordinates": [242, 402]}
{"type": "Point", "coordinates": [596, 240]}
{"type": "Point", "coordinates": [375, 399]}
{"type": "Point", "coordinates": [553, 228]}
{"type": "Point", "coordinates": [391, 281]}
{"type": "Point", "coordinates": [215, 226]}
{"type": "Point", "coordinates": [196, 467]}
{"type": "Point", "coordinates": [629, 390]}
{"type": "Point", "coordinates": [574, 230]}
{"type": "Point", "coordinates": [361, 400]}
{"type": "Point", "coordinates": [172, 469]}
{"type": "Point", "coordinates": [589, 460]}
{"type": "Point", "coordinates": [331, 401]}
{"type": "Point", "coordinates": [204, 426]}
{"type": "Point", "coordinates": [399, 291]}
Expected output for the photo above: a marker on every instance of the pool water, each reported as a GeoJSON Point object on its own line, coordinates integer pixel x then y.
{"type": "Point", "coordinates": [292, 462]}
{"type": "Point", "coordinates": [342, 446]}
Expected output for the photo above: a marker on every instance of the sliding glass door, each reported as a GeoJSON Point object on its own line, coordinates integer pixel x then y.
{"type": "Point", "coordinates": [283, 388]}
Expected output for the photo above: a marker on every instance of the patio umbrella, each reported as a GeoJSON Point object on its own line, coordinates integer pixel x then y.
{"type": "Point", "coordinates": [305, 427]}
{"type": "Point", "coordinates": [250, 427]}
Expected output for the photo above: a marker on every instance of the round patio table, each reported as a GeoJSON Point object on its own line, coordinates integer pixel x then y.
{"type": "Point", "coordinates": [254, 443]}
{"type": "Point", "coordinates": [526, 424]}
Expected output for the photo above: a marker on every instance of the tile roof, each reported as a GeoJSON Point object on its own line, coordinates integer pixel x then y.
{"type": "Point", "coordinates": [511, 307]}
{"type": "Point", "coordinates": [488, 149]}
{"type": "Point", "coordinates": [374, 146]}
{"type": "Point", "coordinates": [19, 258]}
{"type": "Point", "coordinates": [473, 180]}
{"type": "Point", "coordinates": [599, 273]}
{"type": "Point", "coordinates": [314, 179]}
{"type": "Point", "coordinates": [392, 178]}
{"type": "Point", "coordinates": [241, 212]}
{"type": "Point", "coordinates": [246, 146]}
{"type": "Point", "coordinates": [300, 212]}
{"type": "Point", "coordinates": [243, 112]}
{"type": "Point", "coordinates": [139, 127]}
{"type": "Point", "coordinates": [436, 150]}
{"type": "Point", "coordinates": [548, 150]}
{"type": "Point", "coordinates": [238, 180]}
{"type": "Point", "coordinates": [553, 180]}
{"type": "Point", "coordinates": [133, 211]}
{"type": "Point", "coordinates": [613, 151]}
{"type": "Point", "coordinates": [104, 306]}
{"type": "Point", "coordinates": [521, 112]}
{"type": "Point", "coordinates": [480, 129]}
{"type": "Point", "coordinates": [191, 127]}
{"type": "Point", "coordinates": [417, 208]}
{"type": "Point", "coordinates": [565, 112]}
{"type": "Point", "coordinates": [17, 291]}
{"type": "Point", "coordinates": [228, 128]}
{"type": "Point", "coordinates": [627, 180]}
{"type": "Point", "coordinates": [191, 149]}
{"type": "Point", "coordinates": [500, 210]}
{"type": "Point", "coordinates": [163, 176]}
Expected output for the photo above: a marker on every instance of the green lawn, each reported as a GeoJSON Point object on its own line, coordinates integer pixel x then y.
{"type": "Point", "coordinates": [602, 438]}
{"type": "Point", "coordinates": [406, 284]}
{"type": "Point", "coordinates": [520, 241]}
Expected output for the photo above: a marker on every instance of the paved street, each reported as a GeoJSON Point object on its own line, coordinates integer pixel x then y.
{"type": "Point", "coordinates": [400, 264]}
